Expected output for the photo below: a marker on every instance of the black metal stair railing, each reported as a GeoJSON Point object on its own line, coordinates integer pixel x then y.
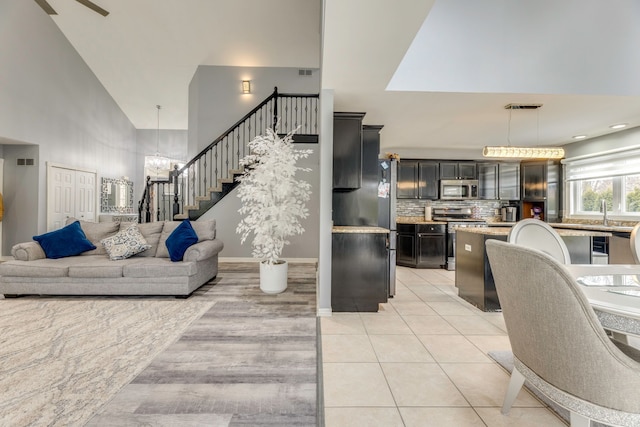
{"type": "Point", "coordinates": [194, 188]}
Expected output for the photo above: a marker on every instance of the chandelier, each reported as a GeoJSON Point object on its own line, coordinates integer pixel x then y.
{"type": "Point", "coordinates": [510, 151]}
{"type": "Point", "coordinates": [160, 164]}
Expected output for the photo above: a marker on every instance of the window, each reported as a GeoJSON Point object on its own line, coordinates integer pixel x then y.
{"type": "Point", "coordinates": [614, 178]}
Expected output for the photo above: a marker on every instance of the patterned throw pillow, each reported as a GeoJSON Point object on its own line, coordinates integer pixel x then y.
{"type": "Point", "coordinates": [126, 243]}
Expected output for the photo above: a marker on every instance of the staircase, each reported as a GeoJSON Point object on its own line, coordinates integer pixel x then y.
{"type": "Point", "coordinates": [193, 189]}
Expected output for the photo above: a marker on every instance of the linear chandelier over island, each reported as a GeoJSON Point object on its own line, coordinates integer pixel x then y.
{"type": "Point", "coordinates": [507, 151]}
{"type": "Point", "coordinates": [523, 152]}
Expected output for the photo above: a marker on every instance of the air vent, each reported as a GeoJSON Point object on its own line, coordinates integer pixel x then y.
{"type": "Point", "coordinates": [305, 72]}
{"type": "Point", "coordinates": [522, 106]}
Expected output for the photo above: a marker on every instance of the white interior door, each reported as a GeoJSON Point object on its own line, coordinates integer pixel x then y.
{"type": "Point", "coordinates": [85, 192]}
{"type": "Point", "coordinates": [70, 193]}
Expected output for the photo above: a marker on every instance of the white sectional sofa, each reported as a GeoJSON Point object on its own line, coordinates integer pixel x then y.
{"type": "Point", "coordinates": [93, 272]}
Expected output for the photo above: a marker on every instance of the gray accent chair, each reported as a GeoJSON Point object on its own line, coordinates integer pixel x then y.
{"type": "Point", "coordinates": [558, 344]}
{"type": "Point", "coordinates": [535, 233]}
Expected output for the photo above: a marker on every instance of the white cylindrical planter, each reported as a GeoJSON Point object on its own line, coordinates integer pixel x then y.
{"type": "Point", "coordinates": [273, 278]}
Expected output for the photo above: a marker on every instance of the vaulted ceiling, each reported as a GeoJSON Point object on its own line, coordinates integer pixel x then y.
{"type": "Point", "coordinates": [436, 73]}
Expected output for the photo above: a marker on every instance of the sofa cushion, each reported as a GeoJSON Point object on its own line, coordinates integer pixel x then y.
{"type": "Point", "coordinates": [40, 268]}
{"type": "Point", "coordinates": [96, 231]}
{"type": "Point", "coordinates": [159, 267]}
{"type": "Point", "coordinates": [70, 240]}
{"type": "Point", "coordinates": [205, 230]}
{"type": "Point", "coordinates": [180, 240]}
{"type": "Point", "coordinates": [151, 232]}
{"type": "Point", "coordinates": [97, 270]}
{"type": "Point", "coordinates": [125, 243]}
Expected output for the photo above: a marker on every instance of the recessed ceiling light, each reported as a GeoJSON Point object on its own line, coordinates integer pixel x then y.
{"type": "Point", "coordinates": [580, 137]}
{"type": "Point", "coordinates": [618, 126]}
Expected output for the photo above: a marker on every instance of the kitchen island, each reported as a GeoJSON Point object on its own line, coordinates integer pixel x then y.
{"type": "Point", "coordinates": [474, 279]}
{"type": "Point", "coordinates": [618, 244]}
{"type": "Point", "coordinates": [359, 268]}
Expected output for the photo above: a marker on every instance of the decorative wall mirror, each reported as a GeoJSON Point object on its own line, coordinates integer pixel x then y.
{"type": "Point", "coordinates": [117, 196]}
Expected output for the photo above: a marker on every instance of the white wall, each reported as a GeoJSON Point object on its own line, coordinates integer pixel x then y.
{"type": "Point", "coordinates": [52, 108]}
{"type": "Point", "coordinates": [619, 140]}
{"type": "Point", "coordinates": [326, 200]}
{"type": "Point", "coordinates": [216, 102]}
{"type": "Point", "coordinates": [305, 245]}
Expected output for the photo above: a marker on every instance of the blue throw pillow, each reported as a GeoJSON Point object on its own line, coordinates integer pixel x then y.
{"type": "Point", "coordinates": [180, 239]}
{"type": "Point", "coordinates": [68, 241]}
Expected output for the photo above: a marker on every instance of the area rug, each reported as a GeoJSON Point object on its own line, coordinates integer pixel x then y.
{"type": "Point", "coordinates": [505, 359]}
{"type": "Point", "coordinates": [63, 358]}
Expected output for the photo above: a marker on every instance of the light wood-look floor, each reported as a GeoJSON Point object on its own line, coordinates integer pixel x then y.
{"type": "Point", "coordinates": [250, 360]}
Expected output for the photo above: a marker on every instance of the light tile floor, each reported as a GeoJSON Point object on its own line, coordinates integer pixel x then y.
{"type": "Point", "coordinates": [421, 361]}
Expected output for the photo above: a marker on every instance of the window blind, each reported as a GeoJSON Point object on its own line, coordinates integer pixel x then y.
{"type": "Point", "coordinates": [609, 165]}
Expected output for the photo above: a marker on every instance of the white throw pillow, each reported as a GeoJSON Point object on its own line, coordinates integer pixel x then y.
{"type": "Point", "coordinates": [126, 243]}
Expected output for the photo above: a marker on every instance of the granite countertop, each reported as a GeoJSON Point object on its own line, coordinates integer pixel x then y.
{"type": "Point", "coordinates": [363, 229]}
{"type": "Point", "coordinates": [594, 227]}
{"type": "Point", "coordinates": [416, 220]}
{"type": "Point", "coordinates": [504, 231]}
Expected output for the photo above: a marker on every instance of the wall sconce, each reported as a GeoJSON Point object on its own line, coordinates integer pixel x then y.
{"type": "Point", "coordinates": [246, 86]}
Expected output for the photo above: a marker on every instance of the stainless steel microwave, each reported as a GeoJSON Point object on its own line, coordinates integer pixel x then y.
{"type": "Point", "coordinates": [458, 189]}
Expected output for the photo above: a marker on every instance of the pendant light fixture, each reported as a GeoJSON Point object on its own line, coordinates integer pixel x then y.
{"type": "Point", "coordinates": [509, 151]}
{"type": "Point", "coordinates": [157, 163]}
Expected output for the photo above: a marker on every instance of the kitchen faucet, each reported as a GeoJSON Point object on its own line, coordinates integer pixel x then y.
{"type": "Point", "coordinates": [603, 209]}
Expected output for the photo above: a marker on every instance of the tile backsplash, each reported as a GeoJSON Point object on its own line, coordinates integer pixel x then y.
{"type": "Point", "coordinates": [414, 207]}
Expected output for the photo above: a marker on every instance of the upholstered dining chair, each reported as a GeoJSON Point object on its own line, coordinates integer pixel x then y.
{"type": "Point", "coordinates": [635, 243]}
{"type": "Point", "coordinates": [557, 342]}
{"type": "Point", "coordinates": [537, 234]}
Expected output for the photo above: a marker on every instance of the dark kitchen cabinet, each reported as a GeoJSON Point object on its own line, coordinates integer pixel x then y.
{"type": "Point", "coordinates": [428, 174]}
{"type": "Point", "coordinates": [509, 181]}
{"type": "Point", "coordinates": [407, 184]}
{"type": "Point", "coordinates": [541, 189]}
{"type": "Point", "coordinates": [499, 181]}
{"type": "Point", "coordinates": [488, 180]}
{"type": "Point", "coordinates": [431, 250]}
{"type": "Point", "coordinates": [458, 170]}
{"type": "Point", "coordinates": [359, 279]}
{"type": "Point", "coordinates": [406, 249]}
{"type": "Point", "coordinates": [421, 245]}
{"type": "Point", "coordinates": [534, 181]}
{"type": "Point", "coordinates": [418, 179]}
{"type": "Point", "coordinates": [347, 150]}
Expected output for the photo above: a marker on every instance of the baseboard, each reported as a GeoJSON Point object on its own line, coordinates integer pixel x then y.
{"type": "Point", "coordinates": [250, 259]}
{"type": "Point", "coordinates": [324, 312]}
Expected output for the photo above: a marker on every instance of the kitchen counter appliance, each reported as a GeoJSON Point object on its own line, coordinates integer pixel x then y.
{"type": "Point", "coordinates": [455, 217]}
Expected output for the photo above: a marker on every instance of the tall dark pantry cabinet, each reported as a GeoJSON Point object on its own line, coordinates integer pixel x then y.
{"type": "Point", "coordinates": [360, 253]}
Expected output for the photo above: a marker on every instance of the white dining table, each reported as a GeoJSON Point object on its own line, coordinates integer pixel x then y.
{"type": "Point", "coordinates": [613, 291]}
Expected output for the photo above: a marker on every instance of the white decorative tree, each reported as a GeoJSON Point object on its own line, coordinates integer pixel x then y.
{"type": "Point", "coordinates": [273, 200]}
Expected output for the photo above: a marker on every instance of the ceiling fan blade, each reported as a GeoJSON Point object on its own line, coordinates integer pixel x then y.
{"type": "Point", "coordinates": [93, 7]}
{"type": "Point", "coordinates": [46, 7]}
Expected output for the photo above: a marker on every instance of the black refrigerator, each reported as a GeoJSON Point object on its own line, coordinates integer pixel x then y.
{"type": "Point", "coordinates": [387, 177]}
